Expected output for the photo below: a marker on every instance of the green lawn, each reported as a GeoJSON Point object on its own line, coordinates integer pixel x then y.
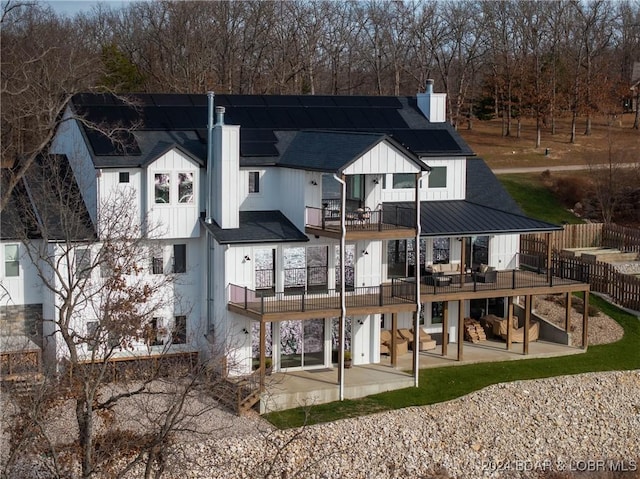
{"type": "Point", "coordinates": [442, 384]}
{"type": "Point", "coordinates": [536, 199]}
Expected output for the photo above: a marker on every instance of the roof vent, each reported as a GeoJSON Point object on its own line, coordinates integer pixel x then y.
{"type": "Point", "coordinates": [220, 115]}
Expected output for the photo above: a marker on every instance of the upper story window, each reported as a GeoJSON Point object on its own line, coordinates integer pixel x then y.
{"type": "Point", "coordinates": [83, 262]}
{"type": "Point", "coordinates": [179, 258]}
{"type": "Point", "coordinates": [157, 262]}
{"type": "Point", "coordinates": [438, 177]}
{"type": "Point", "coordinates": [185, 188]}
{"type": "Point", "coordinates": [174, 188]}
{"type": "Point", "coordinates": [404, 180]}
{"type": "Point", "coordinates": [11, 260]}
{"type": "Point", "coordinates": [123, 177]}
{"type": "Point", "coordinates": [162, 188]}
{"type": "Point", "coordinates": [254, 182]}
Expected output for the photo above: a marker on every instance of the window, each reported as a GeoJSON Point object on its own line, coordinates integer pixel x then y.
{"type": "Point", "coordinates": [437, 312]}
{"type": "Point", "coordinates": [92, 335]}
{"type": "Point", "coordinates": [438, 177]}
{"type": "Point", "coordinates": [179, 258]}
{"type": "Point", "coordinates": [404, 180]}
{"type": "Point", "coordinates": [153, 334]}
{"type": "Point", "coordinates": [157, 265]}
{"type": "Point", "coordinates": [123, 177]}
{"type": "Point", "coordinates": [185, 188]}
{"type": "Point", "coordinates": [254, 182]}
{"type": "Point", "coordinates": [179, 335]}
{"type": "Point", "coordinates": [441, 250]}
{"type": "Point", "coordinates": [11, 260]}
{"type": "Point", "coordinates": [83, 263]}
{"type": "Point", "coordinates": [162, 186]}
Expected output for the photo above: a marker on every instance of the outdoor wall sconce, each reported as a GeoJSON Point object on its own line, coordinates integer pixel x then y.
{"type": "Point", "coordinates": [365, 252]}
{"type": "Point", "coordinates": [314, 182]}
{"type": "Point", "coordinates": [244, 330]}
{"type": "Point", "coordinates": [246, 258]}
{"type": "Point", "coordinates": [376, 181]}
{"type": "Point", "coordinates": [360, 322]}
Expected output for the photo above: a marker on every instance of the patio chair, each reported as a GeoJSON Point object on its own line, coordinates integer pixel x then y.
{"type": "Point", "coordinates": [425, 342]}
{"type": "Point", "coordinates": [402, 346]}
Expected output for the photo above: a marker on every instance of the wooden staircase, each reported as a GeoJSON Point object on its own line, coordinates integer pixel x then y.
{"type": "Point", "coordinates": [240, 394]}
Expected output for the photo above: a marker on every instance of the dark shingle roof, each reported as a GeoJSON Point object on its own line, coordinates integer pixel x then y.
{"type": "Point", "coordinates": [331, 151]}
{"type": "Point", "coordinates": [47, 204]}
{"type": "Point", "coordinates": [258, 227]}
{"type": "Point", "coordinates": [182, 119]}
{"type": "Point", "coordinates": [484, 188]}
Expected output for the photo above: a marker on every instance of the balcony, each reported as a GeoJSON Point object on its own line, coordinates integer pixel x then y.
{"type": "Point", "coordinates": [398, 295]}
{"type": "Point", "coordinates": [389, 222]}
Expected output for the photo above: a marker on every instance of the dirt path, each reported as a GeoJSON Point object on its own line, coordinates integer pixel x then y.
{"type": "Point", "coordinates": [535, 169]}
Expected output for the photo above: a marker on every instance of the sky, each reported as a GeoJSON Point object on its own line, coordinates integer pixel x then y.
{"type": "Point", "coordinates": [72, 7]}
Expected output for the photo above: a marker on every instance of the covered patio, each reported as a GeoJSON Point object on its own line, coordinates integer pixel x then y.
{"type": "Point", "coordinates": [308, 388]}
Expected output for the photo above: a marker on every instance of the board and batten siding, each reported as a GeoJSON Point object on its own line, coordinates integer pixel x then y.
{"type": "Point", "coordinates": [292, 196]}
{"type": "Point", "coordinates": [380, 159]}
{"type": "Point", "coordinates": [111, 189]}
{"type": "Point", "coordinates": [456, 180]}
{"type": "Point", "coordinates": [69, 141]}
{"type": "Point", "coordinates": [502, 249]}
{"type": "Point", "coordinates": [173, 219]}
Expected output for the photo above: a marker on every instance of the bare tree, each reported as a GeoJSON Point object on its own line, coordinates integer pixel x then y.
{"type": "Point", "coordinates": [95, 274]}
{"type": "Point", "coordinates": [45, 61]}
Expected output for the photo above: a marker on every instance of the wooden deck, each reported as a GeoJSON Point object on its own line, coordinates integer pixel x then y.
{"type": "Point", "coordinates": [399, 295]}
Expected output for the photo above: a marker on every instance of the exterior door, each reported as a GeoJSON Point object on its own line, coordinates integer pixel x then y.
{"type": "Point", "coordinates": [302, 344]}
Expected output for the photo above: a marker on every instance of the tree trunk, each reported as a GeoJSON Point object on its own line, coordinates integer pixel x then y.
{"type": "Point", "coordinates": [636, 122]}
{"type": "Point", "coordinates": [84, 416]}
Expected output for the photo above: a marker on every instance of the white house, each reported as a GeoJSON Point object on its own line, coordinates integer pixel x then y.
{"type": "Point", "coordinates": [304, 225]}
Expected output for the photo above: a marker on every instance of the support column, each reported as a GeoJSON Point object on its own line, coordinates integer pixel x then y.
{"type": "Point", "coordinates": [527, 317]}
{"type": "Point", "coordinates": [445, 328]}
{"type": "Point", "coordinates": [460, 329]}
{"type": "Point", "coordinates": [463, 260]}
{"type": "Point", "coordinates": [549, 258]}
{"type": "Point", "coordinates": [263, 349]}
{"type": "Point", "coordinates": [567, 312]}
{"type": "Point", "coordinates": [585, 321]}
{"type": "Point", "coordinates": [509, 321]}
{"type": "Point", "coordinates": [416, 347]}
{"type": "Point", "coordinates": [394, 335]}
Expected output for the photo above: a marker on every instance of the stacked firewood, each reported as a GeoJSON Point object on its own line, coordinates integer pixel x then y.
{"type": "Point", "coordinates": [473, 331]}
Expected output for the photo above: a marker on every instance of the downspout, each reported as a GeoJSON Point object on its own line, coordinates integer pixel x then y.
{"type": "Point", "coordinates": [210, 123]}
{"type": "Point", "coordinates": [416, 321]}
{"type": "Point", "coordinates": [343, 304]}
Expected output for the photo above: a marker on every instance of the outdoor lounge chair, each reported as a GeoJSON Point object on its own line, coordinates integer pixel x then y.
{"type": "Point", "coordinates": [402, 346]}
{"type": "Point", "coordinates": [424, 340]}
{"type": "Point", "coordinates": [517, 334]}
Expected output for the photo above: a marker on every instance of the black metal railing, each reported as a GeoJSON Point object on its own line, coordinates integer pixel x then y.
{"type": "Point", "coordinates": [399, 290]}
{"type": "Point", "coordinates": [388, 217]}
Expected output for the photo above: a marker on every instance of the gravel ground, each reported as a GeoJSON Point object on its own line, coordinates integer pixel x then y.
{"type": "Point", "coordinates": [573, 426]}
{"type": "Point", "coordinates": [523, 429]}
{"type": "Point", "coordinates": [602, 329]}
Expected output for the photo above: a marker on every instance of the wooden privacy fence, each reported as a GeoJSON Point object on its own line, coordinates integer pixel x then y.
{"type": "Point", "coordinates": [583, 236]}
{"type": "Point", "coordinates": [624, 289]}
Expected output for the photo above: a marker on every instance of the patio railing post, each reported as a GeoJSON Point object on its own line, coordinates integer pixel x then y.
{"type": "Point", "coordinates": [245, 297]}
{"type": "Point", "coordinates": [262, 304]}
{"type": "Point", "coordinates": [513, 279]}
{"type": "Point", "coordinates": [302, 301]}
{"type": "Point", "coordinates": [381, 294]}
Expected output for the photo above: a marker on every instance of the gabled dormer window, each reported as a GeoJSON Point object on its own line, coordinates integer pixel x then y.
{"type": "Point", "coordinates": [162, 188]}
{"type": "Point", "coordinates": [11, 260]}
{"type": "Point", "coordinates": [185, 188]}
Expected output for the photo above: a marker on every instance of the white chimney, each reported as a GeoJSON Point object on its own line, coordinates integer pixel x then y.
{"type": "Point", "coordinates": [433, 105]}
{"type": "Point", "coordinates": [225, 191]}
{"type": "Point", "coordinates": [209, 192]}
